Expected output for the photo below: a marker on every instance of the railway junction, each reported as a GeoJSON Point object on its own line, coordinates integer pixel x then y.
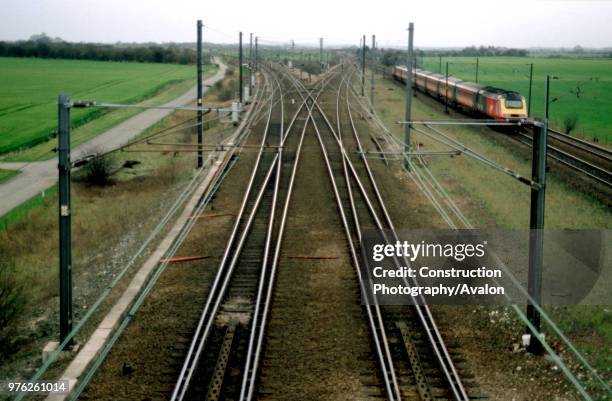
{"type": "Point", "coordinates": [254, 288]}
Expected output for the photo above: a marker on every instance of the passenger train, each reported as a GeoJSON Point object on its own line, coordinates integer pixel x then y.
{"type": "Point", "coordinates": [495, 103]}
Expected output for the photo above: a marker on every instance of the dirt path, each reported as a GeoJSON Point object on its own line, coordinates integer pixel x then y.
{"type": "Point", "coordinates": [37, 177]}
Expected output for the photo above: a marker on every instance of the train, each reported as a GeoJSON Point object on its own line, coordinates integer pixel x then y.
{"type": "Point", "coordinates": [494, 103]}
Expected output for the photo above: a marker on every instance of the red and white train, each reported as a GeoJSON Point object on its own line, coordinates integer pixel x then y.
{"type": "Point", "coordinates": [495, 103]}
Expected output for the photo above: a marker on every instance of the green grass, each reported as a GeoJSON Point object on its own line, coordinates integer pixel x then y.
{"type": "Point", "coordinates": [48, 197]}
{"type": "Point", "coordinates": [592, 76]}
{"type": "Point", "coordinates": [490, 198]}
{"type": "Point", "coordinates": [5, 175]}
{"type": "Point", "coordinates": [30, 88]}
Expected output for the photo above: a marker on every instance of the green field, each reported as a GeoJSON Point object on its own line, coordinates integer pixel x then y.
{"type": "Point", "coordinates": [29, 88]}
{"type": "Point", "coordinates": [584, 87]}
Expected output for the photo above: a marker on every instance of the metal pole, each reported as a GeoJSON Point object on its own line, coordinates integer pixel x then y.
{"type": "Point", "coordinates": [363, 66]}
{"type": "Point", "coordinates": [477, 60]}
{"type": "Point", "coordinates": [440, 67]}
{"type": "Point", "coordinates": [199, 83]}
{"type": "Point", "coordinates": [251, 66]}
{"type": "Point", "coordinates": [446, 91]}
{"type": "Point", "coordinates": [256, 47]}
{"type": "Point", "coordinates": [530, 86]}
{"type": "Point", "coordinates": [373, 72]}
{"type": "Point", "coordinates": [536, 224]}
{"type": "Point", "coordinates": [240, 67]}
{"type": "Point", "coordinates": [408, 111]}
{"type": "Point", "coordinates": [65, 219]}
{"type": "Point", "coordinates": [320, 52]}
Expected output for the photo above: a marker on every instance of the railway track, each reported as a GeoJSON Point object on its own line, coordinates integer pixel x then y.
{"type": "Point", "coordinates": [218, 355]}
{"type": "Point", "coordinates": [588, 159]}
{"type": "Point", "coordinates": [595, 150]}
{"type": "Point", "coordinates": [223, 357]}
{"type": "Point", "coordinates": [406, 339]}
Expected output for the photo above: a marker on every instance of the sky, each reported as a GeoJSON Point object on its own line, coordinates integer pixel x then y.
{"type": "Point", "coordinates": [438, 23]}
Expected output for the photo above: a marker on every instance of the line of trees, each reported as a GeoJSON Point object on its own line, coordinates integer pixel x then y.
{"type": "Point", "coordinates": [394, 56]}
{"type": "Point", "coordinates": [44, 47]}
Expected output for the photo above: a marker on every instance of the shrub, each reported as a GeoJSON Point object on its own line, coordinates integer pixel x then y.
{"type": "Point", "coordinates": [98, 171]}
{"type": "Point", "coordinates": [570, 122]}
{"type": "Point", "coordinates": [226, 94]}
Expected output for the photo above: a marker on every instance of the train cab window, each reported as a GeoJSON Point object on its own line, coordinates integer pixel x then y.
{"type": "Point", "coordinates": [514, 104]}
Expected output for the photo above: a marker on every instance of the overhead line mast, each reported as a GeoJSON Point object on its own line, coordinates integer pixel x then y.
{"type": "Point", "coordinates": [199, 85]}
{"type": "Point", "coordinates": [363, 49]}
{"type": "Point", "coordinates": [408, 110]}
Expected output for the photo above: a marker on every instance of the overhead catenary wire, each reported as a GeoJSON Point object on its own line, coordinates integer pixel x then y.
{"type": "Point", "coordinates": [558, 361]}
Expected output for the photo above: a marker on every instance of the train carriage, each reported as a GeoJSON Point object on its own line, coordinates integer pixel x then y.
{"type": "Point", "coordinates": [495, 103]}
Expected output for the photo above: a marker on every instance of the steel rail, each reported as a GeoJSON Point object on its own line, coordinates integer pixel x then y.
{"type": "Point", "coordinates": [587, 146]}
{"type": "Point", "coordinates": [216, 294]}
{"type": "Point", "coordinates": [257, 336]}
{"type": "Point", "coordinates": [267, 245]}
{"type": "Point", "coordinates": [528, 141]}
{"type": "Point", "coordinates": [519, 312]}
{"type": "Point", "coordinates": [196, 345]}
{"type": "Point", "coordinates": [426, 319]}
{"type": "Point", "coordinates": [354, 256]}
{"type": "Point", "coordinates": [429, 324]}
{"type": "Point", "coordinates": [389, 360]}
{"type": "Point", "coordinates": [391, 388]}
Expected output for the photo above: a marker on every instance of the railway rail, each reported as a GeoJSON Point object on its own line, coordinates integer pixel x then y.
{"type": "Point", "coordinates": [236, 309]}
{"type": "Point", "coordinates": [361, 207]}
{"type": "Point", "coordinates": [592, 148]}
{"type": "Point", "coordinates": [590, 160]}
{"type": "Point", "coordinates": [220, 357]}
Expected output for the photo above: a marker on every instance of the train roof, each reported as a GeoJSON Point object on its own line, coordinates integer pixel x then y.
{"type": "Point", "coordinates": [470, 85]}
{"type": "Point", "coordinates": [491, 90]}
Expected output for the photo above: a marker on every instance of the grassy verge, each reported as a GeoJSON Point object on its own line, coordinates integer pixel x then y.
{"type": "Point", "coordinates": [490, 198]}
{"type": "Point", "coordinates": [5, 175]}
{"type": "Point", "coordinates": [103, 121]}
{"type": "Point", "coordinates": [493, 200]}
{"type": "Point", "coordinates": [109, 223]}
{"type": "Point", "coordinates": [22, 211]}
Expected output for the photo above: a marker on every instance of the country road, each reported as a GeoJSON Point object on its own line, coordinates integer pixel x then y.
{"type": "Point", "coordinates": [36, 177]}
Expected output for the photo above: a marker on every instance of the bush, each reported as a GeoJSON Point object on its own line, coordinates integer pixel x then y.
{"type": "Point", "coordinates": [570, 122]}
{"type": "Point", "coordinates": [228, 90]}
{"type": "Point", "coordinates": [226, 94]}
{"type": "Point", "coordinates": [230, 72]}
{"type": "Point", "coordinates": [218, 85]}
{"type": "Point", "coordinates": [98, 171]}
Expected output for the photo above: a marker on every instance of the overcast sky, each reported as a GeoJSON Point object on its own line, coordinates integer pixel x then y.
{"type": "Point", "coordinates": [522, 23]}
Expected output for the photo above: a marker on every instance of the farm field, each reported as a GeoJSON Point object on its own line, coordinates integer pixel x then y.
{"type": "Point", "coordinates": [584, 87]}
{"type": "Point", "coordinates": [30, 88]}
